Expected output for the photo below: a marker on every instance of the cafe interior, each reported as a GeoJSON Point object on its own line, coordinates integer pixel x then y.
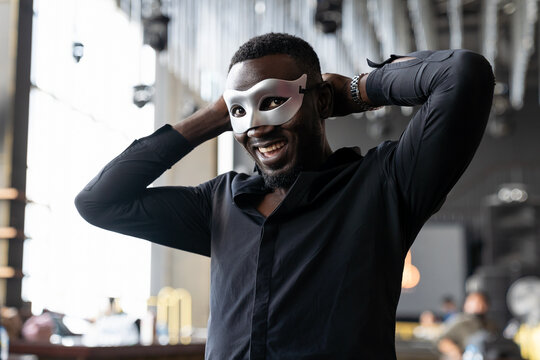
{"type": "Point", "coordinates": [82, 79]}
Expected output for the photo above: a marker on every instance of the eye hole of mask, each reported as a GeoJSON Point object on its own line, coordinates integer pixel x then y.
{"type": "Point", "coordinates": [272, 102]}
{"type": "Point", "coordinates": [237, 111]}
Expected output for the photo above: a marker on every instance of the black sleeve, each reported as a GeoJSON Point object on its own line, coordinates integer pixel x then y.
{"type": "Point", "coordinates": [118, 198]}
{"type": "Point", "coordinates": [455, 88]}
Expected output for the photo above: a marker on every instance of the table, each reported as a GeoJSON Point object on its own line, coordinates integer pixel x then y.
{"type": "Point", "coordinates": [46, 351]}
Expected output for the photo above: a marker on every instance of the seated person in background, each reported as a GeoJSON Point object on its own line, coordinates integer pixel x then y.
{"type": "Point", "coordinates": [449, 308]}
{"type": "Point", "coordinates": [429, 328]}
{"type": "Point", "coordinates": [454, 340]}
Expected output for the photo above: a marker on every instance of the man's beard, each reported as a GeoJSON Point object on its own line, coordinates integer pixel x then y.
{"type": "Point", "coordinates": [285, 180]}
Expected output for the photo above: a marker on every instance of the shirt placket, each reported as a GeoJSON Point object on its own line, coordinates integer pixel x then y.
{"type": "Point", "coordinates": [259, 322]}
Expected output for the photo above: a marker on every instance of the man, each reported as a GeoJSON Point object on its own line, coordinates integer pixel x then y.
{"type": "Point", "coordinates": [307, 253]}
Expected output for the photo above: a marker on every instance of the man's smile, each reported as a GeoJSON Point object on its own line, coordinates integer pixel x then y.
{"type": "Point", "coordinates": [269, 150]}
{"type": "Point", "coordinates": [271, 153]}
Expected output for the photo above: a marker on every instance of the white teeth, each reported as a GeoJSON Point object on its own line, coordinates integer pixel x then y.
{"type": "Point", "coordinates": [272, 147]}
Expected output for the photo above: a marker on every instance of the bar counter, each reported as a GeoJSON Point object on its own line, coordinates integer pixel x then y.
{"type": "Point", "coordinates": [45, 351]}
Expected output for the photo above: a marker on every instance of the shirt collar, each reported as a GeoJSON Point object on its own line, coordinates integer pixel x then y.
{"type": "Point", "coordinates": [244, 185]}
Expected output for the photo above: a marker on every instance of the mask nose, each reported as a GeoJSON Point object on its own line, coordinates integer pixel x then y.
{"type": "Point", "coordinates": [258, 127]}
{"type": "Point", "coordinates": [243, 124]}
{"type": "Point", "coordinates": [253, 119]}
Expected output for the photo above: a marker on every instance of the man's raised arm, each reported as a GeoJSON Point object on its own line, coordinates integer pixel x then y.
{"type": "Point", "coordinates": [455, 89]}
{"type": "Point", "coordinates": [118, 199]}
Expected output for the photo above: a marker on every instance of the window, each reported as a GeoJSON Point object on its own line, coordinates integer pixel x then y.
{"type": "Point", "coordinates": [81, 116]}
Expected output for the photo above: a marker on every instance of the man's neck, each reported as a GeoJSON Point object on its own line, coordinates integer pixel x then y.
{"type": "Point", "coordinates": [271, 201]}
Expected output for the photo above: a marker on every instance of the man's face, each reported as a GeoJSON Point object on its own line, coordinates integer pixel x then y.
{"type": "Point", "coordinates": [279, 150]}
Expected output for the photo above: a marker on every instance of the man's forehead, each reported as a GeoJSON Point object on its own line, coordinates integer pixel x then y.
{"type": "Point", "coordinates": [245, 74]}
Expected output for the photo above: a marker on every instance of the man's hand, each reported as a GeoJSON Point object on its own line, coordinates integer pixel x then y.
{"type": "Point", "coordinates": [205, 124]}
{"type": "Point", "coordinates": [343, 102]}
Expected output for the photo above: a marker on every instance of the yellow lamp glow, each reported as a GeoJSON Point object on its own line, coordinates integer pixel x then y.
{"type": "Point", "coordinates": [411, 274]}
{"type": "Point", "coordinates": [9, 194]}
{"type": "Point", "coordinates": [8, 232]}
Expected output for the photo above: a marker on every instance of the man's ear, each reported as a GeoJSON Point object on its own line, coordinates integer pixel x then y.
{"type": "Point", "coordinates": [325, 99]}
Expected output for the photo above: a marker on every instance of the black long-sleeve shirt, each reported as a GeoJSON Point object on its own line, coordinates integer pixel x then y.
{"type": "Point", "coordinates": [320, 277]}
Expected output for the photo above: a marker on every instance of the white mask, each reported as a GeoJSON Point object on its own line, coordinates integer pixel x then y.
{"type": "Point", "coordinates": [251, 99]}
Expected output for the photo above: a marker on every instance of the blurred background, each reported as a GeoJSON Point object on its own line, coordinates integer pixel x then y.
{"type": "Point", "coordinates": [81, 79]}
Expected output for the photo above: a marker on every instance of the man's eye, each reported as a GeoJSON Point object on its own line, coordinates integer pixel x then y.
{"type": "Point", "coordinates": [272, 102]}
{"type": "Point", "coordinates": [238, 111]}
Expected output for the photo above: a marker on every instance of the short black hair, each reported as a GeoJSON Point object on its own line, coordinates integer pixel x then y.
{"type": "Point", "coordinates": [448, 299]}
{"type": "Point", "coordinates": [280, 43]}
